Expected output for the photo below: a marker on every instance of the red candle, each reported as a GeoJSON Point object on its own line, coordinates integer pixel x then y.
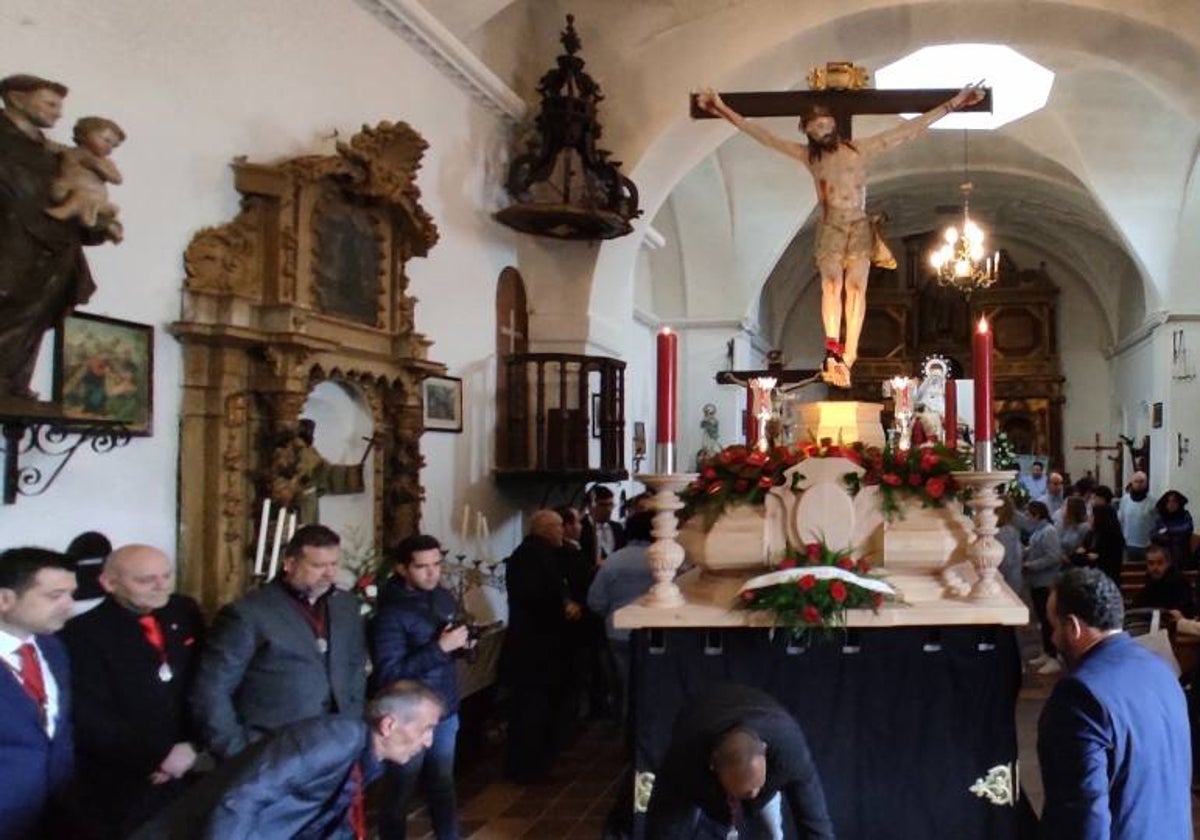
{"type": "Point", "coordinates": [668, 353]}
{"type": "Point", "coordinates": [982, 363]}
{"type": "Point", "coordinates": [951, 419]}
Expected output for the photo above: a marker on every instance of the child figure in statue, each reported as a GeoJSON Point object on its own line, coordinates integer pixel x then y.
{"type": "Point", "coordinates": [80, 191]}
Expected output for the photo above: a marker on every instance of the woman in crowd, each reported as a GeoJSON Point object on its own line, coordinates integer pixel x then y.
{"type": "Point", "coordinates": [1105, 543]}
{"type": "Point", "coordinates": [1174, 527]}
{"type": "Point", "coordinates": [1009, 536]}
{"type": "Point", "coordinates": [1042, 564]}
{"type": "Point", "coordinates": [1074, 531]}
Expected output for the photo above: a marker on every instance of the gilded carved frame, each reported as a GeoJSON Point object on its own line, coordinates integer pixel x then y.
{"type": "Point", "coordinates": [256, 339]}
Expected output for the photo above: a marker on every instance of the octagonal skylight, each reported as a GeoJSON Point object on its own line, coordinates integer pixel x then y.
{"type": "Point", "coordinates": [1019, 86]}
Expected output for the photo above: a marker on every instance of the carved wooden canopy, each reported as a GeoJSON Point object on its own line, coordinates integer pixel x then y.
{"type": "Point", "coordinates": [306, 284]}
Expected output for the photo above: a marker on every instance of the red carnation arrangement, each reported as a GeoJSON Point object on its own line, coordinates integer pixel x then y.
{"type": "Point", "coordinates": [814, 587]}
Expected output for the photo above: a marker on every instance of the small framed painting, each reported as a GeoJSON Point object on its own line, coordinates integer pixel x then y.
{"type": "Point", "coordinates": [442, 409]}
{"type": "Point", "coordinates": [104, 371]}
{"type": "Point", "coordinates": [1156, 416]}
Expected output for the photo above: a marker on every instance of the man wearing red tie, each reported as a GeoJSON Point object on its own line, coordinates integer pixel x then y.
{"type": "Point", "coordinates": [36, 743]}
{"type": "Point", "coordinates": [133, 658]}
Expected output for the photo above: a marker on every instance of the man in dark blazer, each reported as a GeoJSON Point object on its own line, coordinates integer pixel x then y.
{"type": "Point", "coordinates": [293, 649]}
{"type": "Point", "coordinates": [307, 780]}
{"type": "Point", "coordinates": [133, 660]}
{"type": "Point", "coordinates": [535, 658]}
{"type": "Point", "coordinates": [735, 759]}
{"type": "Point", "coordinates": [601, 536]}
{"type": "Point", "coordinates": [36, 739]}
{"type": "Point", "coordinates": [1113, 738]}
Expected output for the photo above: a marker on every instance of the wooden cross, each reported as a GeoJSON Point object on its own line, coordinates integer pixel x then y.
{"type": "Point", "coordinates": [843, 104]}
{"type": "Point", "coordinates": [775, 369]}
{"type": "Point", "coordinates": [1097, 449]}
{"type": "Point", "coordinates": [511, 332]}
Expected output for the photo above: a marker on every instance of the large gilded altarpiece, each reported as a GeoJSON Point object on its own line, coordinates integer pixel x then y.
{"type": "Point", "coordinates": [910, 317]}
{"type": "Point", "coordinates": [307, 284]}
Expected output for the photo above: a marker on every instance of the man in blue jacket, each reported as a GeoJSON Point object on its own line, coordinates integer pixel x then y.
{"type": "Point", "coordinates": [416, 634]}
{"type": "Point", "coordinates": [36, 740]}
{"type": "Point", "coordinates": [307, 780]}
{"type": "Point", "coordinates": [1113, 738]}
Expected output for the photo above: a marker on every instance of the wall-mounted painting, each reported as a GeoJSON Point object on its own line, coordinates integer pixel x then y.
{"type": "Point", "coordinates": [443, 404]}
{"type": "Point", "coordinates": [104, 371]}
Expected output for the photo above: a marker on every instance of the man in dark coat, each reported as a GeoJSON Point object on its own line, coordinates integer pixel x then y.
{"type": "Point", "coordinates": [1113, 738]}
{"type": "Point", "coordinates": [37, 751]}
{"type": "Point", "coordinates": [734, 759]}
{"type": "Point", "coordinates": [290, 650]}
{"type": "Point", "coordinates": [306, 781]}
{"type": "Point", "coordinates": [133, 660]}
{"type": "Point", "coordinates": [43, 273]}
{"type": "Point", "coordinates": [415, 635]}
{"type": "Point", "coordinates": [600, 536]}
{"type": "Point", "coordinates": [535, 657]}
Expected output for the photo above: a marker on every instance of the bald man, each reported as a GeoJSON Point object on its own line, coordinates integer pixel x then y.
{"type": "Point", "coordinates": [535, 660]}
{"type": "Point", "coordinates": [132, 662]}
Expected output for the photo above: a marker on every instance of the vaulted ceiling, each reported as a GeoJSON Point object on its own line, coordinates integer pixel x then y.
{"type": "Point", "coordinates": [1099, 181]}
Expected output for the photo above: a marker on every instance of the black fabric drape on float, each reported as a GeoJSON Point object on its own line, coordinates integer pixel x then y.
{"type": "Point", "coordinates": [901, 722]}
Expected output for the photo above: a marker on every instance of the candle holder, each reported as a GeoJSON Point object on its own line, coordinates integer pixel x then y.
{"type": "Point", "coordinates": [985, 552]}
{"type": "Point", "coordinates": [665, 553]}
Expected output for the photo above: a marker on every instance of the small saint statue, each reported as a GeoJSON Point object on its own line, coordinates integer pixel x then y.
{"type": "Point", "coordinates": [710, 429]}
{"type": "Point", "coordinates": [931, 400]}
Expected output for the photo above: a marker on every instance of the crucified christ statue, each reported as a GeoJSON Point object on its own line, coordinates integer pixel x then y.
{"type": "Point", "coordinates": [845, 240]}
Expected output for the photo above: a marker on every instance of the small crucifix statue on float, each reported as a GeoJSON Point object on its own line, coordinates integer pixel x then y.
{"type": "Point", "coordinates": [763, 424]}
{"type": "Point", "coordinates": [1096, 449]}
{"type": "Point", "coordinates": [847, 241]}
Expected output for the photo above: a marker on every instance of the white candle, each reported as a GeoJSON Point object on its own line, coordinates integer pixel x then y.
{"type": "Point", "coordinates": [278, 543]}
{"type": "Point", "coordinates": [485, 549]}
{"type": "Point", "coordinates": [260, 554]}
{"type": "Point", "coordinates": [465, 522]}
{"type": "Point", "coordinates": [291, 530]}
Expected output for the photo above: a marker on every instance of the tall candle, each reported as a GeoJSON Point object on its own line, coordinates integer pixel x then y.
{"type": "Point", "coordinates": [951, 419]}
{"type": "Point", "coordinates": [982, 364]}
{"type": "Point", "coordinates": [260, 553]}
{"type": "Point", "coordinates": [665, 420]}
{"type": "Point", "coordinates": [466, 521]}
{"type": "Point", "coordinates": [277, 545]}
{"type": "Point", "coordinates": [291, 527]}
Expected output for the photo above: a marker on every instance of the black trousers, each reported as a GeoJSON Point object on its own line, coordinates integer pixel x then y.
{"type": "Point", "coordinates": [535, 729]}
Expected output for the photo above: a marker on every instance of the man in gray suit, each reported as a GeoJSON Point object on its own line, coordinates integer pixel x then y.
{"type": "Point", "coordinates": [291, 650]}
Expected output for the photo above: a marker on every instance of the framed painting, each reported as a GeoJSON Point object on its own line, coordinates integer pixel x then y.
{"type": "Point", "coordinates": [104, 371]}
{"type": "Point", "coordinates": [442, 406]}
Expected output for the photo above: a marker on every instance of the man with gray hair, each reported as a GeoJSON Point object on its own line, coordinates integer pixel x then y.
{"type": "Point", "coordinates": [309, 778]}
{"type": "Point", "coordinates": [535, 660]}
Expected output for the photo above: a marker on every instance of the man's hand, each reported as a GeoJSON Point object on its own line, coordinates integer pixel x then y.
{"type": "Point", "coordinates": [709, 100]}
{"type": "Point", "coordinates": [453, 638]}
{"type": "Point", "coordinates": [965, 97]}
{"type": "Point", "coordinates": [178, 762]}
{"type": "Point", "coordinates": [572, 610]}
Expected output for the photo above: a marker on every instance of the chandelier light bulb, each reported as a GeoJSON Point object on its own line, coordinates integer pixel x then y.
{"type": "Point", "coordinates": [972, 231]}
{"type": "Point", "coordinates": [962, 268]}
{"type": "Point", "coordinates": [976, 251]}
{"type": "Point", "coordinates": [951, 235]}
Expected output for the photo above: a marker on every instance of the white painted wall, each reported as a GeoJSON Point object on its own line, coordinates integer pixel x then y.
{"type": "Point", "coordinates": [195, 84]}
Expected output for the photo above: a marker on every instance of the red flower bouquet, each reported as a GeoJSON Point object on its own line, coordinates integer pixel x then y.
{"type": "Point", "coordinates": [924, 473]}
{"type": "Point", "coordinates": [814, 586]}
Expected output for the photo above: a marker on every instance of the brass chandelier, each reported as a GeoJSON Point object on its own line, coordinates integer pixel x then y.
{"type": "Point", "coordinates": [962, 261]}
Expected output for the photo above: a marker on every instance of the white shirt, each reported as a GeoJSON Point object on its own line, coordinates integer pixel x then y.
{"type": "Point", "coordinates": [604, 538]}
{"type": "Point", "coordinates": [8, 652]}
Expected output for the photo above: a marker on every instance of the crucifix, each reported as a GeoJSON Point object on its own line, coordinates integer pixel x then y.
{"type": "Point", "coordinates": [778, 377]}
{"type": "Point", "coordinates": [1096, 449]}
{"type": "Point", "coordinates": [847, 243]}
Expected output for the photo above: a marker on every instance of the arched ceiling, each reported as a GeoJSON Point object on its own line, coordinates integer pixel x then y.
{"type": "Point", "coordinates": [1100, 176]}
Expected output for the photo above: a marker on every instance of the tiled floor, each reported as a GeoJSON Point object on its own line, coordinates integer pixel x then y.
{"type": "Point", "coordinates": [574, 804]}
